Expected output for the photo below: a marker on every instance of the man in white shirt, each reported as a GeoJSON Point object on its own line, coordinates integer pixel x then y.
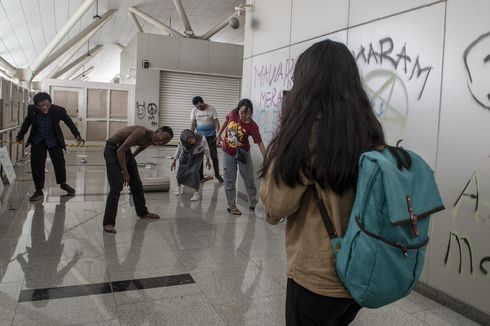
{"type": "Point", "coordinates": [205, 121]}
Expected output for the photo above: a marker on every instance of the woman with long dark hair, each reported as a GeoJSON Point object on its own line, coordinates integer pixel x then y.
{"type": "Point", "coordinates": [326, 124]}
{"type": "Point", "coordinates": [238, 126]}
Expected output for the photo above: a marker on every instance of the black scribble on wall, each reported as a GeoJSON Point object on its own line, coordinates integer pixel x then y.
{"type": "Point", "coordinates": [476, 59]}
{"type": "Point", "coordinates": [140, 110]}
{"type": "Point", "coordinates": [471, 195]}
{"type": "Point", "coordinates": [152, 111]}
{"type": "Point", "coordinates": [475, 195]}
{"type": "Point", "coordinates": [482, 261]}
{"type": "Point", "coordinates": [383, 51]}
{"type": "Point", "coordinates": [458, 241]}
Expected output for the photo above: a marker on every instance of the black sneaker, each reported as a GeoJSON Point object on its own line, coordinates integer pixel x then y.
{"type": "Point", "coordinates": [37, 195]}
{"type": "Point", "coordinates": [219, 178]}
{"type": "Point", "coordinates": [68, 189]}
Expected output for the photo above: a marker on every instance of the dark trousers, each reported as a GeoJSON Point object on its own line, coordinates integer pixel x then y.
{"type": "Point", "coordinates": [116, 183]}
{"type": "Point", "coordinates": [213, 152]}
{"type": "Point", "coordinates": [38, 163]}
{"type": "Point", "coordinates": [305, 308]}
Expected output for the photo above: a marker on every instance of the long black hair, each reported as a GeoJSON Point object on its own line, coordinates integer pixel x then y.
{"type": "Point", "coordinates": [244, 102]}
{"type": "Point", "coordinates": [326, 123]}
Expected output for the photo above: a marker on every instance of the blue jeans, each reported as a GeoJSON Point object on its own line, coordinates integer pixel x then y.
{"type": "Point", "coordinates": [230, 165]}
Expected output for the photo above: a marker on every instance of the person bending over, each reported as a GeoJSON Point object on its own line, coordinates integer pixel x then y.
{"type": "Point", "coordinates": [122, 169]}
{"type": "Point", "coordinates": [190, 153]}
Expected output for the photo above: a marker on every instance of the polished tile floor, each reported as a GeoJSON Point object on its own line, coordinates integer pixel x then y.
{"type": "Point", "coordinates": [234, 266]}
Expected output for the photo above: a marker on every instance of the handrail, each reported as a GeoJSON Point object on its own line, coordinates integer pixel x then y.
{"type": "Point", "coordinates": [9, 129]}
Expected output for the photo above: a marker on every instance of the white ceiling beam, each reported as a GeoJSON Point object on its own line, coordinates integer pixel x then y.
{"type": "Point", "coordinates": [183, 17]}
{"type": "Point", "coordinates": [7, 67]}
{"type": "Point", "coordinates": [155, 22]}
{"type": "Point", "coordinates": [59, 36]}
{"type": "Point", "coordinates": [83, 73]}
{"type": "Point", "coordinates": [136, 22]}
{"type": "Point", "coordinates": [72, 51]}
{"type": "Point", "coordinates": [216, 28]}
{"type": "Point", "coordinates": [80, 38]}
{"type": "Point", "coordinates": [80, 61]}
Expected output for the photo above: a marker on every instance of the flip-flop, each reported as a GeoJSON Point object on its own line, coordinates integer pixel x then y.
{"type": "Point", "coordinates": [234, 211]}
{"type": "Point", "coordinates": [206, 178]}
{"type": "Point", "coordinates": [109, 228]}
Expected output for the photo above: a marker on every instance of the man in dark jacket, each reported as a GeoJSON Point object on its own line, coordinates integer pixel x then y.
{"type": "Point", "coordinates": [46, 136]}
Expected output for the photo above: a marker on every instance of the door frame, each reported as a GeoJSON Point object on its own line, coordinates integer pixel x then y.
{"type": "Point", "coordinates": [81, 122]}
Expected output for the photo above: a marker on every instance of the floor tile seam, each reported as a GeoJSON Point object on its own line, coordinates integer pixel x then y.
{"type": "Point", "coordinates": [200, 292]}
{"type": "Point", "coordinates": [249, 256]}
{"type": "Point", "coordinates": [217, 311]}
{"type": "Point", "coordinates": [266, 271]}
{"type": "Point", "coordinates": [419, 319]}
{"type": "Point", "coordinates": [162, 299]}
{"type": "Point", "coordinates": [208, 300]}
{"type": "Point", "coordinates": [417, 311]}
{"type": "Point", "coordinates": [254, 299]}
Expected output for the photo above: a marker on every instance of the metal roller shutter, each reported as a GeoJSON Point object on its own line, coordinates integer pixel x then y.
{"type": "Point", "coordinates": [178, 89]}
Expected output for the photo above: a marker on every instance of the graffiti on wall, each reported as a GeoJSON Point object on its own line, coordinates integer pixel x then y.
{"type": "Point", "coordinates": [460, 241]}
{"type": "Point", "coordinates": [471, 194]}
{"type": "Point", "coordinates": [476, 59]}
{"type": "Point", "coordinates": [268, 83]}
{"type": "Point", "coordinates": [386, 84]}
{"type": "Point", "coordinates": [150, 112]}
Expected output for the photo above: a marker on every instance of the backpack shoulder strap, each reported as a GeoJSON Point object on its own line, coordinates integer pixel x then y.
{"type": "Point", "coordinates": [323, 212]}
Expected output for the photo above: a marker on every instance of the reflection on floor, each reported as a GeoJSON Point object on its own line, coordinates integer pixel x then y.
{"type": "Point", "coordinates": [236, 265]}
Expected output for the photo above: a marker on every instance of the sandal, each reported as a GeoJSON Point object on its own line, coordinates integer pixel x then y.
{"type": "Point", "coordinates": [109, 228]}
{"type": "Point", "coordinates": [234, 211]}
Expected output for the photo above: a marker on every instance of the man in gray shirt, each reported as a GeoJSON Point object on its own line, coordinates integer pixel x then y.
{"type": "Point", "coordinates": [205, 121]}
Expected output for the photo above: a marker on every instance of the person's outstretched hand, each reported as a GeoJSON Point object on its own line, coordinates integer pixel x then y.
{"type": "Point", "coordinates": [80, 140]}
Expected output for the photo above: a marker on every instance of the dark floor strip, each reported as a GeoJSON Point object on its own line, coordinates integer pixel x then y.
{"type": "Point", "coordinates": [153, 282]}
{"type": "Point", "coordinates": [98, 194]}
{"type": "Point", "coordinates": [64, 292]}
{"type": "Point", "coordinates": [102, 288]}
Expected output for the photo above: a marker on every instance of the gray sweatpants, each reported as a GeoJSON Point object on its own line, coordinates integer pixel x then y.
{"type": "Point", "coordinates": [230, 165]}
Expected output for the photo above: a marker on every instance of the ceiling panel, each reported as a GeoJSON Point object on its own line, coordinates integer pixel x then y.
{"type": "Point", "coordinates": [29, 25]}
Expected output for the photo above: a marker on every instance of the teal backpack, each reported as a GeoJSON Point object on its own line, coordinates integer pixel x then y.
{"type": "Point", "coordinates": [381, 256]}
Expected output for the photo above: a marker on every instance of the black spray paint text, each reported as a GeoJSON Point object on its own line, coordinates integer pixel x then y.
{"type": "Point", "coordinates": [383, 51]}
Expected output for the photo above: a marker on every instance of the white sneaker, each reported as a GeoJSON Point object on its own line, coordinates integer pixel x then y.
{"type": "Point", "coordinates": [179, 190]}
{"type": "Point", "coordinates": [196, 196]}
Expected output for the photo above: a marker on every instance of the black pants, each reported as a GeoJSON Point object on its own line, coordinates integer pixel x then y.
{"type": "Point", "coordinates": [116, 183]}
{"type": "Point", "coordinates": [305, 308]}
{"type": "Point", "coordinates": [38, 163]}
{"type": "Point", "coordinates": [213, 152]}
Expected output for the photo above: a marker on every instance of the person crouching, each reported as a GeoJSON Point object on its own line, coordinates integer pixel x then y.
{"type": "Point", "coordinates": [190, 153]}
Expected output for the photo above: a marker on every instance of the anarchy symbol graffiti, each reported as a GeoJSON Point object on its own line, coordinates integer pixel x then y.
{"type": "Point", "coordinates": [381, 85]}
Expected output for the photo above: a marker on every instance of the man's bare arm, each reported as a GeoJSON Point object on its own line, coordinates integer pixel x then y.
{"type": "Point", "coordinates": [193, 125]}
{"type": "Point", "coordinates": [139, 150]}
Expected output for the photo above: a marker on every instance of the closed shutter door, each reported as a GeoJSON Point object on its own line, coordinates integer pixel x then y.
{"type": "Point", "coordinates": [178, 89]}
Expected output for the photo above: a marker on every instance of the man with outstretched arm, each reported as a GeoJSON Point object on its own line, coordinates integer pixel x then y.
{"type": "Point", "coordinates": [43, 118]}
{"type": "Point", "coordinates": [122, 168]}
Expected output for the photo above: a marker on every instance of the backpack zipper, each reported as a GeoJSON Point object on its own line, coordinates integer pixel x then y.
{"type": "Point", "coordinates": [398, 245]}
